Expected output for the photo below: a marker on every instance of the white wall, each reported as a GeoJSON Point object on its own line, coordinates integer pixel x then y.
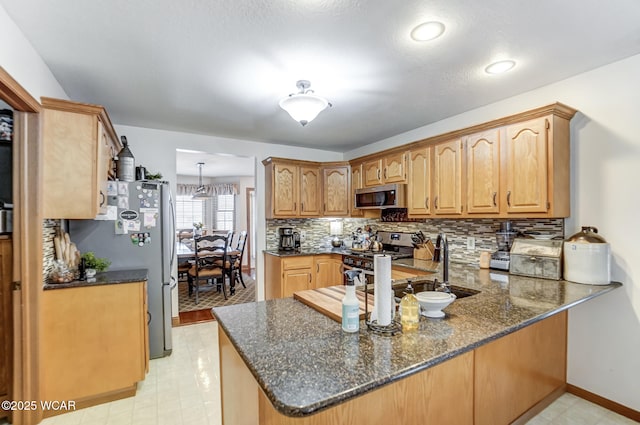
{"type": "Point", "coordinates": [156, 150]}
{"type": "Point", "coordinates": [604, 334]}
{"type": "Point", "coordinates": [23, 63]}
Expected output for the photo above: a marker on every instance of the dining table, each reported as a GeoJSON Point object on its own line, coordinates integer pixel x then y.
{"type": "Point", "coordinates": [184, 253]}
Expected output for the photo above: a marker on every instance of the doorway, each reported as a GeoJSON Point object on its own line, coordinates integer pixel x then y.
{"type": "Point", "coordinates": [226, 179]}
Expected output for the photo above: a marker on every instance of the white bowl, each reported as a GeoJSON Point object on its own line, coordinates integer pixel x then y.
{"type": "Point", "coordinates": [432, 302]}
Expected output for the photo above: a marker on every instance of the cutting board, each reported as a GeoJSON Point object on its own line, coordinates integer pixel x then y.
{"type": "Point", "coordinates": [328, 301]}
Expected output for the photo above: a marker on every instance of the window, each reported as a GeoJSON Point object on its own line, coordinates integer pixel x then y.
{"type": "Point", "coordinates": [189, 211]}
{"type": "Point", "coordinates": [225, 212]}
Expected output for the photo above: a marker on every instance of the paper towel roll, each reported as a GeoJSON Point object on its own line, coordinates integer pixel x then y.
{"type": "Point", "coordinates": [382, 300]}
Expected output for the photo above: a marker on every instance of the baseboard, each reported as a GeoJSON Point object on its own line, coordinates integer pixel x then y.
{"type": "Point", "coordinates": [540, 406]}
{"type": "Point", "coordinates": [604, 402]}
{"type": "Point", "coordinates": [83, 403]}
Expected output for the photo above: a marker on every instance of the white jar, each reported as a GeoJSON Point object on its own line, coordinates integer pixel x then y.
{"type": "Point", "coordinates": [587, 258]}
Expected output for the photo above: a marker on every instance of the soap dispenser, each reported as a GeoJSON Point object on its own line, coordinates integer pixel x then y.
{"type": "Point", "coordinates": [410, 308]}
{"type": "Point", "coordinates": [350, 303]}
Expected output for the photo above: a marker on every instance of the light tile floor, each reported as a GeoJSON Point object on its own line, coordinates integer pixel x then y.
{"type": "Point", "coordinates": [184, 389]}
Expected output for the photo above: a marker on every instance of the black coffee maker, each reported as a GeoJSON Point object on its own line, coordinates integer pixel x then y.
{"type": "Point", "coordinates": [289, 240]}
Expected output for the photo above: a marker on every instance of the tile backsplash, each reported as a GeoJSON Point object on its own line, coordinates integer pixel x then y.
{"type": "Point", "coordinates": [457, 230]}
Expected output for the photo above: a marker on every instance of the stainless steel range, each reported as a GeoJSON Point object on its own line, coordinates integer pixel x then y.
{"type": "Point", "coordinates": [396, 244]}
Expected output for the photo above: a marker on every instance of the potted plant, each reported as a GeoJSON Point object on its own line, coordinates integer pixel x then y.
{"type": "Point", "coordinates": [197, 229]}
{"type": "Point", "coordinates": [93, 264]}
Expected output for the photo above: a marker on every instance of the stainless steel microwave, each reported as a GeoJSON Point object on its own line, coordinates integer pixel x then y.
{"type": "Point", "coordinates": [379, 197]}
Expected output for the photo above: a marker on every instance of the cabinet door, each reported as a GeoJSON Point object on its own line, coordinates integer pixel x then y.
{"type": "Point", "coordinates": [6, 320]}
{"type": "Point", "coordinates": [296, 280]}
{"type": "Point", "coordinates": [104, 162]}
{"type": "Point", "coordinates": [419, 182]}
{"type": "Point", "coordinates": [483, 172]}
{"type": "Point", "coordinates": [328, 271]}
{"type": "Point", "coordinates": [336, 191]}
{"type": "Point", "coordinates": [525, 165]}
{"type": "Point", "coordinates": [356, 183]}
{"type": "Point", "coordinates": [310, 191]}
{"type": "Point", "coordinates": [395, 168]}
{"type": "Point", "coordinates": [448, 178]}
{"type": "Point", "coordinates": [372, 173]}
{"type": "Point", "coordinates": [285, 190]}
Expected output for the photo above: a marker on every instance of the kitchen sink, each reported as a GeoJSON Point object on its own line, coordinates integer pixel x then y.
{"type": "Point", "coordinates": [400, 290]}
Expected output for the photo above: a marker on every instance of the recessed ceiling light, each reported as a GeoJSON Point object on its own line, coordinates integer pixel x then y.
{"type": "Point", "coordinates": [427, 31]}
{"type": "Point", "coordinates": [500, 67]}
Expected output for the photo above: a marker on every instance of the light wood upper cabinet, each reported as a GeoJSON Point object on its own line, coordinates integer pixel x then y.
{"type": "Point", "coordinates": [526, 166]}
{"type": "Point", "coordinates": [419, 182]}
{"type": "Point", "coordinates": [78, 147]}
{"type": "Point", "coordinates": [310, 190]}
{"type": "Point", "coordinates": [296, 188]}
{"type": "Point", "coordinates": [447, 187]}
{"type": "Point", "coordinates": [372, 172]}
{"type": "Point", "coordinates": [391, 168]}
{"type": "Point", "coordinates": [336, 191]}
{"type": "Point", "coordinates": [395, 168]}
{"type": "Point", "coordinates": [285, 189]}
{"type": "Point", "coordinates": [356, 183]}
{"type": "Point", "coordinates": [483, 172]}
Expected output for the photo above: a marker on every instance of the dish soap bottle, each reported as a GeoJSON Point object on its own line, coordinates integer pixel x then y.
{"type": "Point", "coordinates": [410, 308]}
{"type": "Point", "coordinates": [350, 304]}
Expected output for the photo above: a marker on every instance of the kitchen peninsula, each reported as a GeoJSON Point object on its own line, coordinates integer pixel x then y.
{"type": "Point", "coordinates": [292, 365]}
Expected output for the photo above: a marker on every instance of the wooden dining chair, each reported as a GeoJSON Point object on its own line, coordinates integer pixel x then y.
{"type": "Point", "coordinates": [236, 264]}
{"type": "Point", "coordinates": [210, 263]}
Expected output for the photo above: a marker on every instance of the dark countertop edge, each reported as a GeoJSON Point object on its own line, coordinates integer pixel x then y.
{"type": "Point", "coordinates": [301, 411]}
{"type": "Point", "coordinates": [111, 277]}
{"type": "Point", "coordinates": [304, 252]}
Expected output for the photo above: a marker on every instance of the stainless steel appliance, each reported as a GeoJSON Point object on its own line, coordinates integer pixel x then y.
{"type": "Point", "coordinates": [6, 218]}
{"type": "Point", "coordinates": [143, 236]}
{"type": "Point", "coordinates": [504, 238]}
{"type": "Point", "coordinates": [289, 240]}
{"type": "Point", "coordinates": [379, 197]}
{"type": "Point", "coordinates": [396, 244]}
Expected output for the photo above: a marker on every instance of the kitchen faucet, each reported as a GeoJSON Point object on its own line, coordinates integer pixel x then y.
{"type": "Point", "coordinates": [442, 241]}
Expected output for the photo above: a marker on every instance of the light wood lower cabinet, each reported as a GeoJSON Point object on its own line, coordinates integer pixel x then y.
{"type": "Point", "coordinates": [93, 342]}
{"type": "Point", "coordinates": [6, 323]}
{"type": "Point", "coordinates": [495, 384]}
{"type": "Point", "coordinates": [515, 372]}
{"type": "Point", "coordinates": [284, 276]}
{"type": "Point", "coordinates": [328, 270]}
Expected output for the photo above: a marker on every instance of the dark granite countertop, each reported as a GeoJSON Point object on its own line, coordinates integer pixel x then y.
{"type": "Point", "coordinates": [305, 363]}
{"type": "Point", "coordinates": [105, 278]}
{"type": "Point", "coordinates": [303, 252]}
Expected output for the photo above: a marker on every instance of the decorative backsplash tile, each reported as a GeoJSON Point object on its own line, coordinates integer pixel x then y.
{"type": "Point", "coordinates": [457, 230]}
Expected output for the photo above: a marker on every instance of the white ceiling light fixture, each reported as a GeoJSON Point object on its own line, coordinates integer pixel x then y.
{"type": "Point", "coordinates": [427, 31]}
{"type": "Point", "coordinates": [201, 192]}
{"type": "Point", "coordinates": [304, 106]}
{"type": "Point", "coordinates": [500, 67]}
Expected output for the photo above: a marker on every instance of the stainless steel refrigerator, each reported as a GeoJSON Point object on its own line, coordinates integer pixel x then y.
{"type": "Point", "coordinates": [138, 231]}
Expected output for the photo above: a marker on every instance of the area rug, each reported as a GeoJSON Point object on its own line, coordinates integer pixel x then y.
{"type": "Point", "coordinates": [211, 298]}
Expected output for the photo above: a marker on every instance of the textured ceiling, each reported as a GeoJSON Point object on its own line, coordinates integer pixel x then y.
{"type": "Point", "coordinates": [219, 67]}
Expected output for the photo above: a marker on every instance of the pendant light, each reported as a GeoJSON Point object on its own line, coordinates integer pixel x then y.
{"type": "Point", "coordinates": [200, 192]}
{"type": "Point", "coordinates": [304, 106]}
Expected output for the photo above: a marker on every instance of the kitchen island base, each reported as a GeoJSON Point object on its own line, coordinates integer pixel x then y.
{"type": "Point", "coordinates": [529, 364]}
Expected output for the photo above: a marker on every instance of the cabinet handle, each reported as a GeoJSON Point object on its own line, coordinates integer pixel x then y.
{"type": "Point", "coordinates": [325, 207]}
{"type": "Point", "coordinates": [309, 277]}
{"type": "Point", "coordinates": [102, 198]}
{"type": "Point", "coordinates": [435, 202]}
{"type": "Point", "coordinates": [378, 174]}
{"type": "Point", "coordinates": [295, 204]}
{"type": "Point", "coordinates": [509, 198]}
{"type": "Point", "coordinates": [301, 206]}
{"type": "Point", "coordinates": [426, 203]}
{"type": "Point", "coordinates": [317, 268]}
{"type": "Point", "coordinates": [494, 198]}
{"type": "Point", "coordinates": [385, 173]}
